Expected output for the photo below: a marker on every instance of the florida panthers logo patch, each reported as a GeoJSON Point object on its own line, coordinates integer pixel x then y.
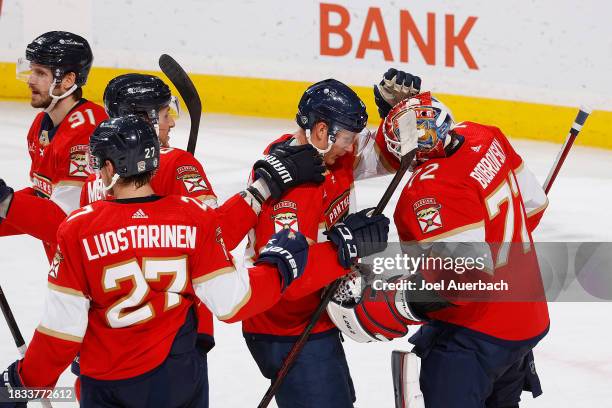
{"type": "Point", "coordinates": [427, 212]}
{"type": "Point", "coordinates": [337, 209]}
{"type": "Point", "coordinates": [285, 216]}
{"type": "Point", "coordinates": [192, 179]}
{"type": "Point", "coordinates": [79, 163]}
{"type": "Point", "coordinates": [57, 259]}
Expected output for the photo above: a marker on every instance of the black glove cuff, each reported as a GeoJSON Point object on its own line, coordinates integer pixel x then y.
{"type": "Point", "coordinates": [256, 194]}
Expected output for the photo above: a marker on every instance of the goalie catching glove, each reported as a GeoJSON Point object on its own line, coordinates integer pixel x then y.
{"type": "Point", "coordinates": [288, 166]}
{"type": "Point", "coordinates": [394, 88]}
{"type": "Point", "coordinates": [365, 314]}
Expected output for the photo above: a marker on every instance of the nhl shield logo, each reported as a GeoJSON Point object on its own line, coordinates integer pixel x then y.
{"type": "Point", "coordinates": [427, 212]}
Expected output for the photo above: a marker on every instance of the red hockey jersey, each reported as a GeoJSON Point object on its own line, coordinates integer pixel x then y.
{"type": "Point", "coordinates": [482, 193]}
{"type": "Point", "coordinates": [58, 169]}
{"type": "Point", "coordinates": [125, 274]}
{"type": "Point", "coordinates": [61, 160]}
{"type": "Point", "coordinates": [310, 209]}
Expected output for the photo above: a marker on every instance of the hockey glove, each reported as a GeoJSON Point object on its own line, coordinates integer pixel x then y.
{"type": "Point", "coordinates": [288, 166]}
{"type": "Point", "coordinates": [394, 88]}
{"type": "Point", "coordinates": [359, 235]}
{"type": "Point", "coordinates": [391, 310]}
{"type": "Point", "coordinates": [75, 366]}
{"type": "Point", "coordinates": [11, 381]}
{"type": "Point", "coordinates": [6, 196]}
{"type": "Point", "coordinates": [288, 250]}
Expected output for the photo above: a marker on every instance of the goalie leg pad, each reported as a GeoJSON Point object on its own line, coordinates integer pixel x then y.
{"type": "Point", "coordinates": [405, 368]}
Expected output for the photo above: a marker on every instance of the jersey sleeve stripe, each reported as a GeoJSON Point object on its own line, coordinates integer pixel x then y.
{"type": "Point", "coordinates": [226, 293]}
{"type": "Point", "coordinates": [65, 290]}
{"type": "Point", "coordinates": [65, 314]}
{"type": "Point", "coordinates": [67, 197]}
{"type": "Point", "coordinates": [537, 210]}
{"type": "Point", "coordinates": [58, 335]}
{"type": "Point", "coordinates": [237, 308]}
{"type": "Point", "coordinates": [212, 275]}
{"type": "Point", "coordinates": [534, 198]}
{"type": "Point", "coordinates": [72, 183]}
{"type": "Point", "coordinates": [466, 233]}
{"type": "Point", "coordinates": [209, 199]}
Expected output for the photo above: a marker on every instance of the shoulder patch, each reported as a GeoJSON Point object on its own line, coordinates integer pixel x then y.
{"type": "Point", "coordinates": [79, 166]}
{"type": "Point", "coordinates": [284, 215]}
{"type": "Point", "coordinates": [427, 211]}
{"type": "Point", "coordinates": [191, 178]}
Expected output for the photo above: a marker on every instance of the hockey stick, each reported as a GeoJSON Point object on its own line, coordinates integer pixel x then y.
{"type": "Point", "coordinates": [188, 92]}
{"type": "Point", "coordinates": [12, 324]}
{"type": "Point", "coordinates": [581, 117]}
{"type": "Point", "coordinates": [16, 333]}
{"type": "Point", "coordinates": [330, 290]}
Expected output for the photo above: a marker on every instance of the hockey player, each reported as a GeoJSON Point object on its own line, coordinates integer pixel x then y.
{"type": "Point", "coordinates": [56, 66]}
{"type": "Point", "coordinates": [179, 171]}
{"type": "Point", "coordinates": [331, 117]}
{"type": "Point", "coordinates": [127, 274]}
{"type": "Point", "coordinates": [469, 192]}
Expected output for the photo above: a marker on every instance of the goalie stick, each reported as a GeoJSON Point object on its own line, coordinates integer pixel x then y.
{"type": "Point", "coordinates": [16, 333]}
{"type": "Point", "coordinates": [188, 92]}
{"type": "Point", "coordinates": [581, 117]}
{"type": "Point", "coordinates": [330, 290]}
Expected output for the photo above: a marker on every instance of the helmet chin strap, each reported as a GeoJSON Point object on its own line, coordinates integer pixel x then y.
{"type": "Point", "coordinates": [321, 151]}
{"type": "Point", "coordinates": [112, 183]}
{"type": "Point", "coordinates": [55, 99]}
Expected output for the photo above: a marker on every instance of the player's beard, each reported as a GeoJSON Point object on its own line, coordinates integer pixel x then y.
{"type": "Point", "coordinates": [40, 101]}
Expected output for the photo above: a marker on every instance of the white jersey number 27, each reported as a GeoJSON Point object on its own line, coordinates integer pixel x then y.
{"type": "Point", "coordinates": [152, 270]}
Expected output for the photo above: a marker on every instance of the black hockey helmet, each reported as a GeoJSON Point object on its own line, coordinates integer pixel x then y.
{"type": "Point", "coordinates": [334, 103]}
{"type": "Point", "coordinates": [63, 52]}
{"type": "Point", "coordinates": [136, 94]}
{"type": "Point", "coordinates": [129, 142]}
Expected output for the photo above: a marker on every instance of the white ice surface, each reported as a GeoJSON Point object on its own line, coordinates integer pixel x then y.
{"type": "Point", "coordinates": [574, 361]}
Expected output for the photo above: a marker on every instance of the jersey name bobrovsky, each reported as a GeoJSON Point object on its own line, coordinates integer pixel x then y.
{"type": "Point", "coordinates": [139, 237]}
{"type": "Point", "coordinates": [488, 167]}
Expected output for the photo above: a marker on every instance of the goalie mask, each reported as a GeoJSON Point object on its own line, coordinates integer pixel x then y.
{"type": "Point", "coordinates": [433, 121]}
